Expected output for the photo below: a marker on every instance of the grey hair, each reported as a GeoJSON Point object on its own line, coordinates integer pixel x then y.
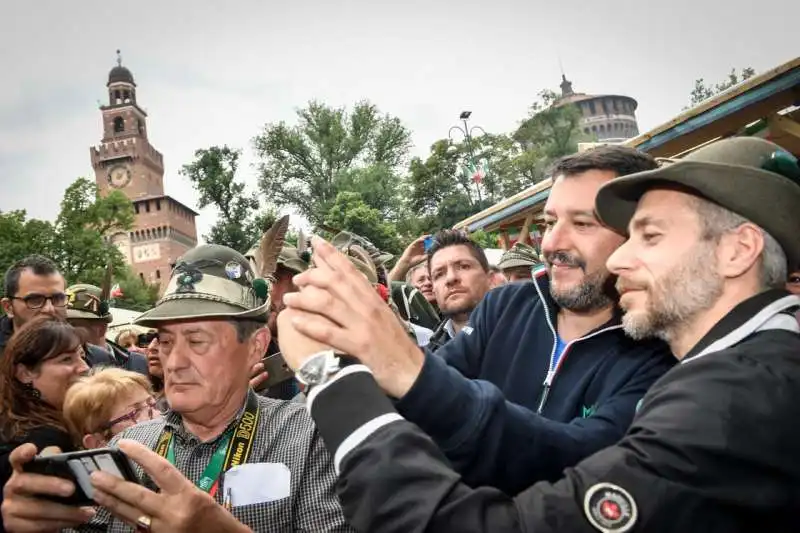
{"type": "Point", "coordinates": [413, 269]}
{"type": "Point", "coordinates": [717, 221]}
{"type": "Point", "coordinates": [245, 328]}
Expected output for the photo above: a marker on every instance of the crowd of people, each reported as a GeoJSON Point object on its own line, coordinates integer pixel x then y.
{"type": "Point", "coordinates": [637, 371]}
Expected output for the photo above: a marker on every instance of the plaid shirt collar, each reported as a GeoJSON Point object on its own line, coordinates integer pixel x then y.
{"type": "Point", "coordinates": [174, 421]}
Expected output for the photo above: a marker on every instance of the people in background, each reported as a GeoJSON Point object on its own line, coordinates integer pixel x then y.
{"type": "Point", "coordinates": [212, 330]}
{"type": "Point", "coordinates": [106, 402]}
{"type": "Point", "coordinates": [497, 278]}
{"type": "Point", "coordinates": [518, 262]}
{"type": "Point", "coordinates": [42, 361]}
{"type": "Point", "coordinates": [793, 283]}
{"type": "Point", "coordinates": [461, 277]}
{"type": "Point", "coordinates": [545, 375]}
{"type": "Point", "coordinates": [712, 446]}
{"type": "Point", "coordinates": [32, 286]}
{"type": "Point", "coordinates": [90, 314]}
{"type": "Point", "coordinates": [127, 338]}
{"type": "Point", "coordinates": [420, 278]}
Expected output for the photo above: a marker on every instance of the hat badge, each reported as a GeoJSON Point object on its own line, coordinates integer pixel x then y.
{"type": "Point", "coordinates": [188, 275]}
{"type": "Point", "coordinates": [233, 270]}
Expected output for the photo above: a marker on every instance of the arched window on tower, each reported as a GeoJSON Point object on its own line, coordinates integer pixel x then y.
{"type": "Point", "coordinates": [126, 97]}
{"type": "Point", "coordinates": [117, 97]}
{"type": "Point", "coordinates": [140, 127]}
{"type": "Point", "coordinates": [119, 125]}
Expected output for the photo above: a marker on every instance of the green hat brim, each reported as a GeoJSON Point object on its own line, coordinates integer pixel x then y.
{"type": "Point", "coordinates": [86, 315]}
{"type": "Point", "coordinates": [184, 309]}
{"type": "Point", "coordinates": [514, 263]}
{"type": "Point", "coordinates": [767, 199]}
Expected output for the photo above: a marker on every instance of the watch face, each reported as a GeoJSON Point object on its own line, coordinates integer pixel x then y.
{"type": "Point", "coordinates": [119, 176]}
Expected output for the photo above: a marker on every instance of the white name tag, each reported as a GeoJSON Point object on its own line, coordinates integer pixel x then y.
{"type": "Point", "coordinates": [253, 483]}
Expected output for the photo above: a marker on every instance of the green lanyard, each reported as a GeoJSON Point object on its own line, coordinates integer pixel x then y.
{"type": "Point", "coordinates": [232, 449]}
{"type": "Point", "coordinates": [209, 481]}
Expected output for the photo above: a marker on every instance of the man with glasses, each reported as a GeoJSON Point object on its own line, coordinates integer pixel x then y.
{"type": "Point", "coordinates": [32, 286]}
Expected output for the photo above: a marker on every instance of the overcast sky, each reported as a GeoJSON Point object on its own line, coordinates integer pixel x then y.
{"type": "Point", "coordinates": [215, 72]}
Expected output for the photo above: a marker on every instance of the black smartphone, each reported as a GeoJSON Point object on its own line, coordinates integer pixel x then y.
{"type": "Point", "coordinates": [78, 466]}
{"type": "Point", "coordinates": [277, 369]}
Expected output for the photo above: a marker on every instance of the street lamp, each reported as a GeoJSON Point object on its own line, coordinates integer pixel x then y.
{"type": "Point", "coordinates": [467, 132]}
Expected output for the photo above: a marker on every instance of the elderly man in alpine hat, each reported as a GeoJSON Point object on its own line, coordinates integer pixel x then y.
{"type": "Point", "coordinates": [211, 324]}
{"type": "Point", "coordinates": [713, 446]}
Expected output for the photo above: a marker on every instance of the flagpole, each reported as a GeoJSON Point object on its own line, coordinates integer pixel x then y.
{"type": "Point", "coordinates": [467, 132]}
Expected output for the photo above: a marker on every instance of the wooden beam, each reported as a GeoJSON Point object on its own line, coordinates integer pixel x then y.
{"type": "Point", "coordinates": [504, 240]}
{"type": "Point", "coordinates": [524, 232]}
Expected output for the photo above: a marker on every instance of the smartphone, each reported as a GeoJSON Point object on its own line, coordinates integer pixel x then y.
{"type": "Point", "coordinates": [78, 466]}
{"type": "Point", "coordinates": [277, 369]}
{"type": "Point", "coordinates": [427, 243]}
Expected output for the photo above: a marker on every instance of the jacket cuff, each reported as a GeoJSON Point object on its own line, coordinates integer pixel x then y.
{"type": "Point", "coordinates": [441, 403]}
{"type": "Point", "coordinates": [348, 409]}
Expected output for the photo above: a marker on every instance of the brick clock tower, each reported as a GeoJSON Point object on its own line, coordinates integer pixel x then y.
{"type": "Point", "coordinates": [126, 161]}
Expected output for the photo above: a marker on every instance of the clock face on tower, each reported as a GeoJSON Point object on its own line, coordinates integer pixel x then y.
{"type": "Point", "coordinates": [119, 176]}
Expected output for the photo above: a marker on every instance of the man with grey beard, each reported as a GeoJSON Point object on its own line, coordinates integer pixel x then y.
{"type": "Point", "coordinates": [543, 376]}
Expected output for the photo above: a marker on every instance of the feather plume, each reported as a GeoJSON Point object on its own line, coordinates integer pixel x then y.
{"type": "Point", "coordinates": [270, 247]}
{"type": "Point", "coordinates": [105, 290]}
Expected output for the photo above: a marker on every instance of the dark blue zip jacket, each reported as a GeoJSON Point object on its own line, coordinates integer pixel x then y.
{"type": "Point", "coordinates": [499, 411]}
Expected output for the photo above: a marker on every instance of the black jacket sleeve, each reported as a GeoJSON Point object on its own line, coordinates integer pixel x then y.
{"type": "Point", "coordinates": [709, 451]}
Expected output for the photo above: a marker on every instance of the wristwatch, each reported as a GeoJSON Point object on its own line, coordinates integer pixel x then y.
{"type": "Point", "coordinates": [318, 368]}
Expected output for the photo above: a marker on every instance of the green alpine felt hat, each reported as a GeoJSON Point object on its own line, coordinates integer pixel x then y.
{"type": "Point", "coordinates": [751, 177]}
{"type": "Point", "coordinates": [289, 258]}
{"type": "Point", "coordinates": [346, 238]}
{"type": "Point", "coordinates": [210, 281]}
{"type": "Point", "coordinates": [86, 302]}
{"type": "Point", "coordinates": [519, 255]}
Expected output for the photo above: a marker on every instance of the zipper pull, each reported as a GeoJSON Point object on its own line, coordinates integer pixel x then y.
{"type": "Point", "coordinates": [545, 392]}
{"type": "Point", "coordinates": [548, 381]}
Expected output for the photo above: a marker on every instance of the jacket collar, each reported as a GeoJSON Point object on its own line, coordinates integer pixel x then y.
{"type": "Point", "coordinates": [542, 283]}
{"type": "Point", "coordinates": [773, 309]}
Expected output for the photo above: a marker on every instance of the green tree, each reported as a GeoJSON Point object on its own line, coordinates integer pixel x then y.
{"type": "Point", "coordinates": [350, 212]}
{"type": "Point", "coordinates": [79, 242]}
{"type": "Point", "coordinates": [703, 92]}
{"type": "Point", "coordinates": [213, 175]}
{"type": "Point", "coordinates": [306, 165]}
{"type": "Point", "coordinates": [137, 295]}
{"type": "Point", "coordinates": [21, 237]}
{"type": "Point", "coordinates": [552, 130]}
{"type": "Point", "coordinates": [83, 228]}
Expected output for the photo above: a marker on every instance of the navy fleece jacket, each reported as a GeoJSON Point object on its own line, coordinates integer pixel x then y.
{"type": "Point", "coordinates": [503, 416]}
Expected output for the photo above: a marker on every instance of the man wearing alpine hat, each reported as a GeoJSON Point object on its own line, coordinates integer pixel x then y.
{"type": "Point", "coordinates": [517, 263]}
{"type": "Point", "coordinates": [211, 324]}
{"type": "Point", "coordinates": [713, 446]}
{"type": "Point", "coordinates": [88, 311]}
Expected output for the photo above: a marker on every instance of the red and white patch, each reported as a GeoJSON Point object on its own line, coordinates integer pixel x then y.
{"type": "Point", "coordinates": [610, 508]}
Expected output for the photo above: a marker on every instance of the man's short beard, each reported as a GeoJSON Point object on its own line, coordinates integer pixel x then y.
{"type": "Point", "coordinates": [676, 299]}
{"type": "Point", "coordinates": [465, 309]}
{"type": "Point", "coordinates": [594, 292]}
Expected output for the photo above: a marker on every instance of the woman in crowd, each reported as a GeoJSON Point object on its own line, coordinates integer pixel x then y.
{"type": "Point", "coordinates": [105, 403]}
{"type": "Point", "coordinates": [41, 362]}
{"type": "Point", "coordinates": [127, 338]}
{"type": "Point", "coordinates": [156, 373]}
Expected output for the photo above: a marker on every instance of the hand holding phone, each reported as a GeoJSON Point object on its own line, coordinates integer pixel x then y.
{"type": "Point", "coordinates": [77, 467]}
{"type": "Point", "coordinates": [427, 243]}
{"type": "Point", "coordinates": [276, 369]}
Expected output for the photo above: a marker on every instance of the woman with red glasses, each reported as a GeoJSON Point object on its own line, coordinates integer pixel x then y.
{"type": "Point", "coordinates": [107, 402]}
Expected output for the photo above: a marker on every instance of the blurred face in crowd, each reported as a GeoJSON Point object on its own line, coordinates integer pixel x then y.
{"type": "Point", "coordinates": [421, 280]}
{"type": "Point", "coordinates": [518, 273]}
{"type": "Point", "coordinates": [36, 295]}
{"type": "Point", "coordinates": [205, 364]}
{"type": "Point", "coordinates": [53, 377]}
{"type": "Point", "coordinates": [459, 280]}
{"type": "Point", "coordinates": [92, 331]}
{"type": "Point", "coordinates": [498, 278]}
{"type": "Point", "coordinates": [793, 284]}
{"type": "Point", "coordinates": [576, 245]}
{"type": "Point", "coordinates": [283, 286]}
{"type": "Point", "coordinates": [667, 272]}
{"type": "Point", "coordinates": [153, 362]}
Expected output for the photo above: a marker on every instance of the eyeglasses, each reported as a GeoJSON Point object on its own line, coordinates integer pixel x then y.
{"type": "Point", "coordinates": [794, 279]}
{"type": "Point", "coordinates": [37, 301]}
{"type": "Point", "coordinates": [150, 406]}
{"type": "Point", "coordinates": [783, 163]}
